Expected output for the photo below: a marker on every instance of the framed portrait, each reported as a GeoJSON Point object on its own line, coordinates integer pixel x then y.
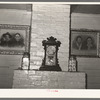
{"type": "Point", "coordinates": [84, 43]}
{"type": "Point", "coordinates": [14, 39]}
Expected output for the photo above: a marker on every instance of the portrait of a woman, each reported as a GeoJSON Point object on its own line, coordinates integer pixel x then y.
{"type": "Point", "coordinates": [78, 43]}
{"type": "Point", "coordinates": [90, 45]}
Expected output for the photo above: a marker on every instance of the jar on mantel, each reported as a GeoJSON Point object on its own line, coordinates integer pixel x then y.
{"type": "Point", "coordinates": [72, 64]}
{"type": "Point", "coordinates": [25, 61]}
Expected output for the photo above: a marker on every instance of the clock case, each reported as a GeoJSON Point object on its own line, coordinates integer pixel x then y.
{"type": "Point", "coordinates": [51, 41]}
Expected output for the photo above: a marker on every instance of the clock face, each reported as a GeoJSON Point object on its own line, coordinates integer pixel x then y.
{"type": "Point", "coordinates": [50, 55]}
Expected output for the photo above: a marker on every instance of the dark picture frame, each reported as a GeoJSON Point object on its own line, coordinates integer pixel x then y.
{"type": "Point", "coordinates": [85, 43]}
{"type": "Point", "coordinates": [14, 39]}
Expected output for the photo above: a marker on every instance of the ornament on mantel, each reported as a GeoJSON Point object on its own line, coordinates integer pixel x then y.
{"type": "Point", "coordinates": [25, 61]}
{"type": "Point", "coordinates": [72, 64]}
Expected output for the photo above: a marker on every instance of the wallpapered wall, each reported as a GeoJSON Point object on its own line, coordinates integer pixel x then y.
{"type": "Point", "coordinates": [10, 62]}
{"type": "Point", "coordinates": [86, 64]}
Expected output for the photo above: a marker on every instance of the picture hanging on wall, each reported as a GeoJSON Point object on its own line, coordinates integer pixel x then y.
{"type": "Point", "coordinates": [14, 39]}
{"type": "Point", "coordinates": [84, 42]}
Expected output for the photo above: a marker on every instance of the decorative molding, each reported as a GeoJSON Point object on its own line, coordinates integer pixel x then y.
{"type": "Point", "coordinates": [85, 30]}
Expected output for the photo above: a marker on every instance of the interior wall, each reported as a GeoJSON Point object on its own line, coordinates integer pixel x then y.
{"type": "Point", "coordinates": [50, 20]}
{"type": "Point", "coordinates": [91, 66]}
{"type": "Point", "coordinates": [10, 62]}
{"type": "Point", "coordinates": [14, 17]}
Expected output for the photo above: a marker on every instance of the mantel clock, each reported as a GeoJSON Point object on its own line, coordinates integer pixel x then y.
{"type": "Point", "coordinates": [50, 61]}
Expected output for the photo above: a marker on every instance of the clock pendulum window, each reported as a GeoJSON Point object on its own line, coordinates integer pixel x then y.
{"type": "Point", "coordinates": [50, 61]}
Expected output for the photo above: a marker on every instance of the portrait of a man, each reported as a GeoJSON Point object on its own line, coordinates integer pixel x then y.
{"type": "Point", "coordinates": [6, 40]}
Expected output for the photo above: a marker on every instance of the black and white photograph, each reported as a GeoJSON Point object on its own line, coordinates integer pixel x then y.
{"type": "Point", "coordinates": [51, 47]}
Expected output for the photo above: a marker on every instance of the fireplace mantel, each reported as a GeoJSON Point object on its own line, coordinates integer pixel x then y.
{"type": "Point", "coordinates": [49, 79]}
